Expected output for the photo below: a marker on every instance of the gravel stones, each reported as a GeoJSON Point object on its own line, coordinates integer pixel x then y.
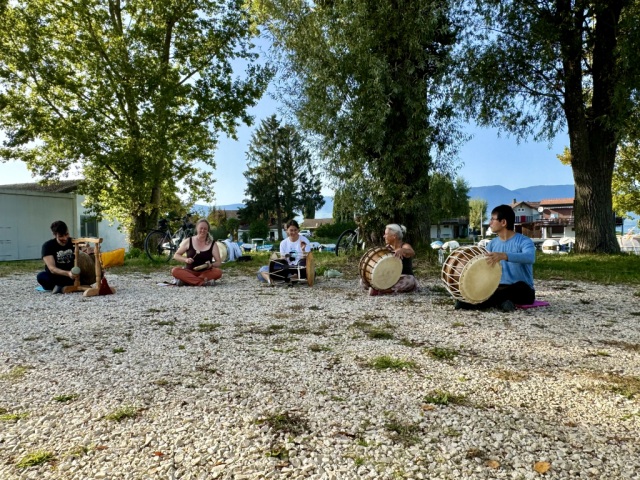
{"type": "Point", "coordinates": [246, 381]}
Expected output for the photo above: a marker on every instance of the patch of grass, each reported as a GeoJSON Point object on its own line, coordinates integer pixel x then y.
{"type": "Point", "coordinates": [458, 324]}
{"type": "Point", "coordinates": [123, 413]}
{"type": "Point", "coordinates": [278, 451]}
{"type": "Point", "coordinates": [77, 452]}
{"type": "Point", "coordinates": [362, 325]}
{"type": "Point", "coordinates": [627, 386]}
{"type": "Point", "coordinates": [441, 301]}
{"type": "Point", "coordinates": [509, 375]}
{"type": "Point", "coordinates": [442, 353]}
{"type": "Point", "coordinates": [599, 268]}
{"type": "Point", "coordinates": [66, 398]}
{"type": "Point", "coordinates": [632, 347]}
{"type": "Point", "coordinates": [373, 332]}
{"type": "Point", "coordinates": [164, 323]}
{"type": "Point", "coordinates": [315, 347]}
{"type": "Point", "coordinates": [358, 461]}
{"type": "Point", "coordinates": [440, 397]}
{"type": "Point", "coordinates": [299, 331]}
{"type": "Point", "coordinates": [13, 417]}
{"type": "Point", "coordinates": [407, 342]}
{"type": "Point", "coordinates": [386, 362]}
{"type": "Point", "coordinates": [270, 330]}
{"type": "Point", "coordinates": [474, 452]}
{"type": "Point", "coordinates": [156, 310]}
{"type": "Point", "coordinates": [403, 432]}
{"type": "Point", "coordinates": [315, 307]}
{"type": "Point", "coordinates": [208, 327]}
{"type": "Point", "coordinates": [35, 458]}
{"type": "Point", "coordinates": [16, 373]}
{"type": "Point", "coordinates": [285, 350]}
{"type": "Point", "coordinates": [118, 350]}
{"type": "Point", "coordinates": [31, 339]}
{"type": "Point", "coordinates": [181, 347]}
{"type": "Point", "coordinates": [379, 334]}
{"type": "Point", "coordinates": [286, 423]}
{"type": "Point", "coordinates": [438, 290]}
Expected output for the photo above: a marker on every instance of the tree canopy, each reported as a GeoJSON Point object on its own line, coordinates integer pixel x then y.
{"type": "Point", "coordinates": [477, 213]}
{"type": "Point", "coordinates": [368, 80]}
{"type": "Point", "coordinates": [280, 176]}
{"type": "Point", "coordinates": [132, 94]}
{"type": "Point", "coordinates": [533, 67]}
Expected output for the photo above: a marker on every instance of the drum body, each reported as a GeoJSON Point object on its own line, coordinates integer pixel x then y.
{"type": "Point", "coordinates": [87, 268]}
{"type": "Point", "coordinates": [281, 271]}
{"type": "Point", "coordinates": [467, 275]}
{"type": "Point", "coordinates": [380, 268]}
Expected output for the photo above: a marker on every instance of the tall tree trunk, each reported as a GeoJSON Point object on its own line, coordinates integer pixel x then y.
{"type": "Point", "coordinates": [592, 137]}
{"type": "Point", "coordinates": [593, 206]}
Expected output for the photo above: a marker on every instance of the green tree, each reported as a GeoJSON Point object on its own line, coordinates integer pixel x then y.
{"type": "Point", "coordinates": [626, 179]}
{"type": "Point", "coordinates": [232, 226]}
{"type": "Point", "coordinates": [477, 213]}
{"type": "Point", "coordinates": [367, 80]}
{"type": "Point", "coordinates": [279, 175]}
{"type": "Point", "coordinates": [448, 198]}
{"type": "Point", "coordinates": [131, 94]}
{"type": "Point", "coordinates": [533, 67]}
{"type": "Point", "coordinates": [259, 229]}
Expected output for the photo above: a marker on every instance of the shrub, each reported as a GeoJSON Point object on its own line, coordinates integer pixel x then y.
{"type": "Point", "coordinates": [334, 230]}
{"type": "Point", "coordinates": [134, 253]}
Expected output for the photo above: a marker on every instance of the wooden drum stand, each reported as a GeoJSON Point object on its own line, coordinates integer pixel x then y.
{"type": "Point", "coordinates": [88, 290]}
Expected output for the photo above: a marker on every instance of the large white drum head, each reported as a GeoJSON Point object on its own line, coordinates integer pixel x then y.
{"type": "Point", "coordinates": [479, 280]}
{"type": "Point", "coordinates": [386, 272]}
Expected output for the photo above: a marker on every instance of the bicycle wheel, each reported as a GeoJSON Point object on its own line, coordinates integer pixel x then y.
{"type": "Point", "coordinates": [159, 246]}
{"type": "Point", "coordinates": [347, 243]}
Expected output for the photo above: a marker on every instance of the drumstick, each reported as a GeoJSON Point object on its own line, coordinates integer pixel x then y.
{"type": "Point", "coordinates": [202, 267]}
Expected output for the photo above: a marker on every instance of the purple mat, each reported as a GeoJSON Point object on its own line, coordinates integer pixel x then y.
{"type": "Point", "coordinates": [535, 304]}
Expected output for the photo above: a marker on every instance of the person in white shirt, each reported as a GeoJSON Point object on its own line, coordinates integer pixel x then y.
{"type": "Point", "coordinates": [293, 249]}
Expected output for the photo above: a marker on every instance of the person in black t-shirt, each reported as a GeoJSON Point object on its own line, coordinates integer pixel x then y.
{"type": "Point", "coordinates": [58, 258]}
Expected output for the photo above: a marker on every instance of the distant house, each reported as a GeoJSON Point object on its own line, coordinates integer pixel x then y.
{"type": "Point", "coordinates": [28, 209]}
{"type": "Point", "coordinates": [450, 228]}
{"type": "Point", "coordinates": [312, 224]}
{"type": "Point", "coordinates": [548, 218]}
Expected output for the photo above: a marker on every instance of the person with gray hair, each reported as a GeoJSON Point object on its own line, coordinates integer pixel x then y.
{"type": "Point", "coordinates": [393, 238]}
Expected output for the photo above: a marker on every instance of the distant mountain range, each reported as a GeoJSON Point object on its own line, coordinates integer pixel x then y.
{"type": "Point", "coordinates": [497, 195]}
{"type": "Point", "coordinates": [494, 195]}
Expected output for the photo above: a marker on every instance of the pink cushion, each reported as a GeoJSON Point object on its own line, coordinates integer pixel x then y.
{"type": "Point", "coordinates": [535, 304]}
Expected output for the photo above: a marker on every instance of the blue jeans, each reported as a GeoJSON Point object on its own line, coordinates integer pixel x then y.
{"type": "Point", "coordinates": [48, 280]}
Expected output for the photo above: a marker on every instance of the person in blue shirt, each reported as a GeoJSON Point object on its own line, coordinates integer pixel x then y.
{"type": "Point", "coordinates": [516, 254]}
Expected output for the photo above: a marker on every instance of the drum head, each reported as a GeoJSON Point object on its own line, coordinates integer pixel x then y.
{"type": "Point", "coordinates": [386, 272]}
{"type": "Point", "coordinates": [479, 280]}
{"type": "Point", "coordinates": [222, 248]}
{"type": "Point", "coordinates": [311, 269]}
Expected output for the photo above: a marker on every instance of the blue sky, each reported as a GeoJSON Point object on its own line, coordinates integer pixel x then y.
{"type": "Point", "coordinates": [489, 159]}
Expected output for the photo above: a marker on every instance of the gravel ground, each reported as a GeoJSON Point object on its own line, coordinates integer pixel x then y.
{"type": "Point", "coordinates": [242, 381]}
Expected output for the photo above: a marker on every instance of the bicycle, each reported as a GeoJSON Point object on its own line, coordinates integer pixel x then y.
{"type": "Point", "coordinates": [161, 244]}
{"type": "Point", "coordinates": [349, 242]}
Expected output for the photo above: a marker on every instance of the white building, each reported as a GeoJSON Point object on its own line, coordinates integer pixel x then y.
{"type": "Point", "coordinates": [27, 210]}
